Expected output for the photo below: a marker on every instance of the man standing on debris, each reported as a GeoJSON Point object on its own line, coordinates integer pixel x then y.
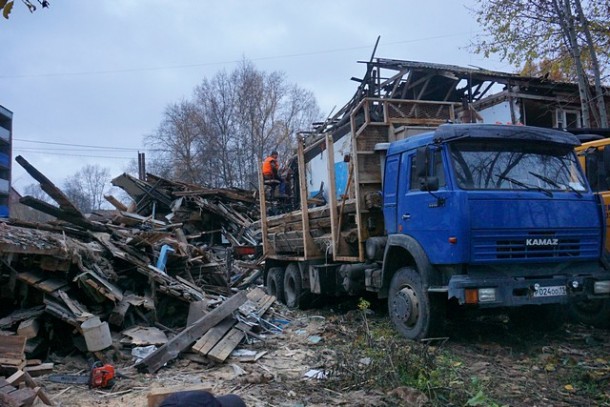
{"type": "Point", "coordinates": [271, 172]}
{"type": "Point", "coordinates": [271, 167]}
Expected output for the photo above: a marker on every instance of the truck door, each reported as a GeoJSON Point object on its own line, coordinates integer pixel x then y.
{"type": "Point", "coordinates": [390, 198]}
{"type": "Point", "coordinates": [422, 214]}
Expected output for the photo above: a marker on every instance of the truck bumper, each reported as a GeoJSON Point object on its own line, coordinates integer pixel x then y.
{"type": "Point", "coordinates": [503, 291]}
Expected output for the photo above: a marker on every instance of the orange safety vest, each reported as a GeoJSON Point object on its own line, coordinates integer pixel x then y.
{"type": "Point", "coordinates": [269, 165]}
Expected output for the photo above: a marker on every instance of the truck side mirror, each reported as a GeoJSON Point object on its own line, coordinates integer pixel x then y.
{"type": "Point", "coordinates": [427, 182]}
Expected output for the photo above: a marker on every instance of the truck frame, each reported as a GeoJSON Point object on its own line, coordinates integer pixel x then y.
{"type": "Point", "coordinates": [473, 215]}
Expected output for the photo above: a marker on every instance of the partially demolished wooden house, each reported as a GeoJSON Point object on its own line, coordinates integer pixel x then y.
{"type": "Point", "coordinates": [396, 99]}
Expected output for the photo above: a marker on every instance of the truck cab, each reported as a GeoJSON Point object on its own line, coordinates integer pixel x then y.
{"type": "Point", "coordinates": [487, 216]}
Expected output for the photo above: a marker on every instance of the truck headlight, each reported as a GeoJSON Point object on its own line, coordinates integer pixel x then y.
{"type": "Point", "coordinates": [601, 287]}
{"type": "Point", "coordinates": [487, 294]}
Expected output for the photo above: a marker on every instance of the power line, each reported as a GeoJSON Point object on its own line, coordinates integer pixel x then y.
{"type": "Point", "coordinates": [197, 65]}
{"type": "Point", "coordinates": [77, 145]}
{"type": "Point", "coordinates": [81, 155]}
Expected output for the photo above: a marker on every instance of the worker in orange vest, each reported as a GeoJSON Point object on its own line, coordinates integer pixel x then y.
{"type": "Point", "coordinates": [271, 167]}
{"type": "Point", "coordinates": [271, 172]}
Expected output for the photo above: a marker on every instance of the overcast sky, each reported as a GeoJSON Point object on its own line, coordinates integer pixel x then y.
{"type": "Point", "coordinates": [87, 80]}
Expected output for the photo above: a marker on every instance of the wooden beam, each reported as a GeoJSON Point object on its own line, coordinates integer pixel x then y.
{"type": "Point", "coordinates": [48, 187]}
{"type": "Point", "coordinates": [267, 249]}
{"type": "Point", "coordinates": [116, 203]}
{"type": "Point", "coordinates": [184, 339]}
{"type": "Point", "coordinates": [310, 247]}
{"type": "Point", "coordinates": [332, 193]}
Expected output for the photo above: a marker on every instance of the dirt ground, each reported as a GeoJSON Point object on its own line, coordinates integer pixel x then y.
{"type": "Point", "coordinates": [361, 362]}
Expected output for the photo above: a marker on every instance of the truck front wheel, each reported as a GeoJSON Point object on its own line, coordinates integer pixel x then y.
{"type": "Point", "coordinates": [415, 313]}
{"type": "Point", "coordinates": [275, 283]}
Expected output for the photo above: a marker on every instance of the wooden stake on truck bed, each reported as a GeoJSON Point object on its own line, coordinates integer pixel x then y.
{"type": "Point", "coordinates": [310, 249]}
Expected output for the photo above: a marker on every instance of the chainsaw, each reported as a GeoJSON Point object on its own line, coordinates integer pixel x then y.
{"type": "Point", "coordinates": [101, 376]}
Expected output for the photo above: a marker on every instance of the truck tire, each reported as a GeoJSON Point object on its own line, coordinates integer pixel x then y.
{"type": "Point", "coordinates": [295, 294]}
{"type": "Point", "coordinates": [590, 312]}
{"type": "Point", "coordinates": [415, 313]}
{"type": "Point", "coordinates": [275, 283]}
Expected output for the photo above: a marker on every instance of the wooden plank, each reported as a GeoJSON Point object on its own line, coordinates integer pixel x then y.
{"type": "Point", "coordinates": [28, 328]}
{"type": "Point", "coordinates": [116, 203]}
{"type": "Point", "coordinates": [16, 378]}
{"type": "Point", "coordinates": [43, 396]}
{"type": "Point", "coordinates": [61, 312]}
{"type": "Point", "coordinates": [223, 349]}
{"type": "Point", "coordinates": [7, 388]}
{"type": "Point", "coordinates": [197, 309]}
{"type": "Point", "coordinates": [51, 285]}
{"type": "Point", "coordinates": [23, 376]}
{"type": "Point", "coordinates": [12, 362]}
{"type": "Point", "coordinates": [184, 339]}
{"type": "Point", "coordinates": [101, 285]}
{"type": "Point", "coordinates": [32, 277]}
{"type": "Point", "coordinates": [58, 213]}
{"type": "Point", "coordinates": [12, 351]}
{"type": "Point", "coordinates": [205, 344]}
{"type": "Point", "coordinates": [74, 307]}
{"type": "Point", "coordinates": [39, 370]}
{"type": "Point", "coordinates": [14, 343]}
{"type": "Point", "coordinates": [256, 295]}
{"type": "Point", "coordinates": [310, 249]}
{"type": "Point", "coordinates": [48, 187]}
{"type": "Point", "coordinates": [22, 397]}
{"type": "Point", "coordinates": [117, 316]}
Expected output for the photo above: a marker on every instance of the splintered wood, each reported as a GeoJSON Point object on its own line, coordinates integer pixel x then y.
{"type": "Point", "coordinates": [218, 343]}
{"type": "Point", "coordinates": [140, 264]}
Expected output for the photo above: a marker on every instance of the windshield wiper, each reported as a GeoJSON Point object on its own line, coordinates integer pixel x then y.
{"type": "Point", "coordinates": [524, 185]}
{"type": "Point", "coordinates": [556, 185]}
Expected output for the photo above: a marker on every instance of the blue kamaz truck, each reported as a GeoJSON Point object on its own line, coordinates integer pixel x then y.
{"type": "Point", "coordinates": [467, 215]}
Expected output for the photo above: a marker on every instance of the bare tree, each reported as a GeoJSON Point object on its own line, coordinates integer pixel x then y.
{"type": "Point", "coordinates": [86, 188]}
{"type": "Point", "coordinates": [564, 32]}
{"type": "Point", "coordinates": [218, 126]}
{"type": "Point", "coordinates": [234, 119]}
{"type": "Point", "coordinates": [177, 142]}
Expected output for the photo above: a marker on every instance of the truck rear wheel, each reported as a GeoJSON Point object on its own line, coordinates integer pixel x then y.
{"type": "Point", "coordinates": [275, 283]}
{"type": "Point", "coordinates": [415, 313]}
{"type": "Point", "coordinates": [295, 294]}
{"type": "Point", "coordinates": [590, 312]}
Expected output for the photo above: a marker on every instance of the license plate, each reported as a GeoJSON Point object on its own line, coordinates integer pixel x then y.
{"type": "Point", "coordinates": [552, 291]}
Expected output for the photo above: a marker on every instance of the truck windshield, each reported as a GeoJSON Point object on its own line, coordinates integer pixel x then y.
{"type": "Point", "coordinates": [502, 164]}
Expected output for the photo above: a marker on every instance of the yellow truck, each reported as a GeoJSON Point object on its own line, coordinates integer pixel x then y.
{"type": "Point", "coordinates": [594, 157]}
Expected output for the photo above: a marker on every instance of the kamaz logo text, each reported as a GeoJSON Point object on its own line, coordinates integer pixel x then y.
{"type": "Point", "coordinates": [541, 242]}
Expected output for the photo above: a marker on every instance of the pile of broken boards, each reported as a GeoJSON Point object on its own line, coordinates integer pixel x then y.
{"type": "Point", "coordinates": [141, 265]}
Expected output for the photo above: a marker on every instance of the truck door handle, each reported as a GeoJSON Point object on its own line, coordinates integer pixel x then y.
{"type": "Point", "coordinates": [406, 216]}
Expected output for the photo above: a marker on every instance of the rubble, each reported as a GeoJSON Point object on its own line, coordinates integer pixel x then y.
{"type": "Point", "coordinates": [167, 270]}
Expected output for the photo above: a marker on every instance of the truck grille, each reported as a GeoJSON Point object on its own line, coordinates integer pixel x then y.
{"type": "Point", "coordinates": [544, 245]}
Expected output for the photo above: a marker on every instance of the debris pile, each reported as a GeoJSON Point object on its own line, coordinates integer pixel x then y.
{"type": "Point", "coordinates": [169, 264]}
